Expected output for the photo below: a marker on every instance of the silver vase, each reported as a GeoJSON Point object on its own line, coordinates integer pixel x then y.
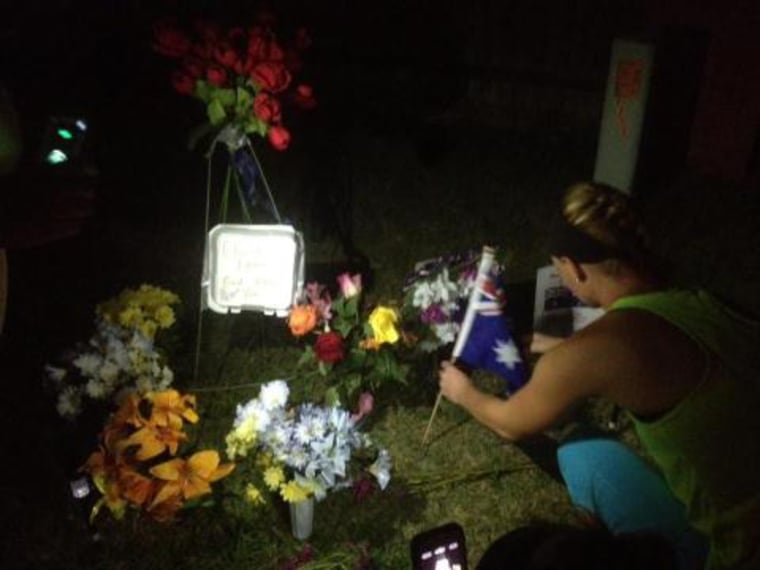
{"type": "Point", "coordinates": [302, 518]}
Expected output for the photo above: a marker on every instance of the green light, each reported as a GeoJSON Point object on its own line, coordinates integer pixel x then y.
{"type": "Point", "coordinates": [65, 134]}
{"type": "Point", "coordinates": [56, 156]}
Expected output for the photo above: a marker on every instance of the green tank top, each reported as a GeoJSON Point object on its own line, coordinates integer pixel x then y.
{"type": "Point", "coordinates": [708, 445]}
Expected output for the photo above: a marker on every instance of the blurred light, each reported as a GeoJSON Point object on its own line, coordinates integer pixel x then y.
{"type": "Point", "coordinates": [65, 134]}
{"type": "Point", "coordinates": [80, 488]}
{"type": "Point", "coordinates": [56, 156]}
{"type": "Point", "coordinates": [81, 125]}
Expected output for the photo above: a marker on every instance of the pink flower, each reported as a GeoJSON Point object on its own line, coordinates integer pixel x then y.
{"type": "Point", "coordinates": [319, 296]}
{"type": "Point", "coordinates": [350, 286]}
{"type": "Point", "coordinates": [364, 406]}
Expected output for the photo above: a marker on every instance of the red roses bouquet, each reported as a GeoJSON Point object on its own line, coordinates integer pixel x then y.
{"type": "Point", "coordinates": [242, 75]}
{"type": "Point", "coordinates": [356, 346]}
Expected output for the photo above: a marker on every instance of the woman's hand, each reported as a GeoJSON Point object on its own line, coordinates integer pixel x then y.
{"type": "Point", "coordinates": [453, 382]}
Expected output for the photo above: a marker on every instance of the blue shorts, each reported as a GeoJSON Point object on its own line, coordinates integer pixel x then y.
{"type": "Point", "coordinates": [611, 481]}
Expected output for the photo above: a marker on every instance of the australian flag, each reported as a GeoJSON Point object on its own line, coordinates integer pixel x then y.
{"type": "Point", "coordinates": [487, 342]}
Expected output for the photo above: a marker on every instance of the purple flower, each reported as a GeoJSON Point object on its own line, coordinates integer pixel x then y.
{"type": "Point", "coordinates": [434, 314]}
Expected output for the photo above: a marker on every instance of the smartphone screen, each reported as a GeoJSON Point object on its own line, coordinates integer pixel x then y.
{"type": "Point", "coordinates": [441, 548]}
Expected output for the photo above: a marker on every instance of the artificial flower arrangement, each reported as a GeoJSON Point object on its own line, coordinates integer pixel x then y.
{"type": "Point", "coordinates": [138, 463]}
{"type": "Point", "coordinates": [436, 295]}
{"type": "Point", "coordinates": [355, 347]}
{"type": "Point", "coordinates": [243, 76]}
{"type": "Point", "coordinates": [303, 451]}
{"type": "Point", "coordinates": [122, 355]}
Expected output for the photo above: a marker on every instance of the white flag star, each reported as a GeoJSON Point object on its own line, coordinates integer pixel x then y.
{"type": "Point", "coordinates": [506, 353]}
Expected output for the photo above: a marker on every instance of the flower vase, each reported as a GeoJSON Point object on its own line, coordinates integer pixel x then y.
{"type": "Point", "coordinates": [302, 518]}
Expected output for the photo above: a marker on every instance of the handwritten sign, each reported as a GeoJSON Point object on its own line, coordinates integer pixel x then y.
{"type": "Point", "coordinates": [257, 268]}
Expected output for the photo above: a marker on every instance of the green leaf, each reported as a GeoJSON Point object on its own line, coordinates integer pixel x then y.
{"type": "Point", "coordinates": [331, 396]}
{"type": "Point", "coordinates": [324, 368]}
{"type": "Point", "coordinates": [307, 357]}
{"type": "Point", "coordinates": [216, 112]}
{"type": "Point", "coordinates": [243, 101]}
{"type": "Point", "coordinates": [352, 383]}
{"type": "Point", "coordinates": [225, 96]}
{"type": "Point", "coordinates": [254, 125]}
{"type": "Point", "coordinates": [342, 325]}
{"type": "Point", "coordinates": [356, 359]}
{"type": "Point", "coordinates": [203, 90]}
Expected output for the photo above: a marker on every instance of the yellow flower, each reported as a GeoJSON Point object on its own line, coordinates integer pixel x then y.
{"type": "Point", "coordinates": [253, 495]}
{"type": "Point", "coordinates": [189, 478]}
{"type": "Point", "coordinates": [170, 408]}
{"type": "Point", "coordinates": [130, 316]}
{"type": "Point", "coordinates": [292, 492]}
{"type": "Point", "coordinates": [148, 328]}
{"type": "Point", "coordinates": [383, 322]}
{"type": "Point", "coordinates": [242, 438]}
{"type": "Point", "coordinates": [164, 317]}
{"type": "Point", "coordinates": [264, 460]}
{"type": "Point", "coordinates": [274, 477]}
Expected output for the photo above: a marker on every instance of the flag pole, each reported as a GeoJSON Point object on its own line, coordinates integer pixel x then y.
{"type": "Point", "coordinates": [486, 261]}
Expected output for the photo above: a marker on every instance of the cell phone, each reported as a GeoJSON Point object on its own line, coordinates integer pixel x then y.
{"type": "Point", "coordinates": [440, 548]}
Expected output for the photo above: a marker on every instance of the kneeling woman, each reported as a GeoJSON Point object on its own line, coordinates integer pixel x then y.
{"type": "Point", "coordinates": [682, 364]}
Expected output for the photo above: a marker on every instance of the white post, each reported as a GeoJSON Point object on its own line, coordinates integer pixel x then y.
{"type": "Point", "coordinates": [623, 113]}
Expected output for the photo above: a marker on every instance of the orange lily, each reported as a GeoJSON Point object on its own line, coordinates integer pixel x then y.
{"type": "Point", "coordinates": [170, 407]}
{"type": "Point", "coordinates": [154, 440]}
{"type": "Point", "coordinates": [166, 510]}
{"type": "Point", "coordinates": [189, 478]}
{"type": "Point", "coordinates": [135, 488]}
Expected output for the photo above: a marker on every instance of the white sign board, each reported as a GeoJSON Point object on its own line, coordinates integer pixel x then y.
{"type": "Point", "coordinates": [253, 268]}
{"type": "Point", "coordinates": [556, 311]}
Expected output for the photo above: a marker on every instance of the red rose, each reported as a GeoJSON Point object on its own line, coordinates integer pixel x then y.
{"type": "Point", "coordinates": [279, 137]}
{"type": "Point", "coordinates": [216, 76]}
{"type": "Point", "coordinates": [262, 47]}
{"type": "Point", "coordinates": [226, 55]}
{"type": "Point", "coordinates": [271, 76]}
{"type": "Point", "coordinates": [204, 51]}
{"type": "Point", "coordinates": [266, 107]}
{"type": "Point", "coordinates": [194, 67]}
{"type": "Point", "coordinates": [243, 66]}
{"type": "Point", "coordinates": [304, 96]}
{"type": "Point", "coordinates": [183, 83]}
{"type": "Point", "coordinates": [329, 347]}
{"type": "Point", "coordinates": [170, 41]}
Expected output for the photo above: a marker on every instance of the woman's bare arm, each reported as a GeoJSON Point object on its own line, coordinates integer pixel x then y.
{"type": "Point", "coordinates": [560, 380]}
